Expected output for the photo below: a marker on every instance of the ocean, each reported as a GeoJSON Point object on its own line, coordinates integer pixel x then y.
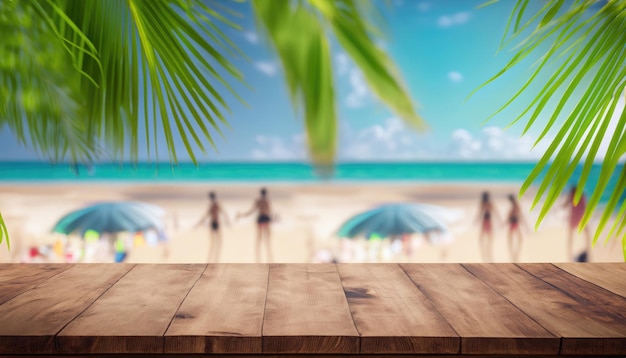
{"type": "Point", "coordinates": [265, 172]}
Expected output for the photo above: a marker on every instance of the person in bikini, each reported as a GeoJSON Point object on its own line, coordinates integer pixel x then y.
{"type": "Point", "coordinates": [486, 213]}
{"type": "Point", "coordinates": [514, 220]}
{"type": "Point", "coordinates": [213, 214]}
{"type": "Point", "coordinates": [262, 206]}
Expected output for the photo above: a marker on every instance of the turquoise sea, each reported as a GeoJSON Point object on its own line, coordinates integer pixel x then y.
{"type": "Point", "coordinates": [447, 172]}
{"type": "Point", "coordinates": [265, 172]}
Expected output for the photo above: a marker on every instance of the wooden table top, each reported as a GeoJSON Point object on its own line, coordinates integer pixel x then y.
{"type": "Point", "coordinates": [343, 309]}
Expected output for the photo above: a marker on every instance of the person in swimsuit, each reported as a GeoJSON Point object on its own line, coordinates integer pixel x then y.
{"type": "Point", "coordinates": [262, 206]}
{"type": "Point", "coordinates": [576, 213]}
{"type": "Point", "coordinates": [514, 220]}
{"type": "Point", "coordinates": [215, 236]}
{"type": "Point", "coordinates": [485, 213]}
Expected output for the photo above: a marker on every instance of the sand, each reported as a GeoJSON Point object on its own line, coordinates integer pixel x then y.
{"type": "Point", "coordinates": [308, 217]}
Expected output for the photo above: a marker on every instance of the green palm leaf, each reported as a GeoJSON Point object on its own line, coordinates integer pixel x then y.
{"type": "Point", "coordinates": [298, 32]}
{"type": "Point", "coordinates": [4, 233]}
{"type": "Point", "coordinates": [589, 47]}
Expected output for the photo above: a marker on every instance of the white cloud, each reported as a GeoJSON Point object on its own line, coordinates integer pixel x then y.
{"type": "Point", "coordinates": [492, 143]}
{"type": "Point", "coordinates": [343, 63]}
{"type": "Point", "coordinates": [464, 145]}
{"type": "Point", "coordinates": [268, 68]}
{"type": "Point", "coordinates": [359, 92]}
{"type": "Point", "coordinates": [455, 19]}
{"type": "Point", "coordinates": [393, 140]}
{"type": "Point", "coordinates": [423, 6]}
{"type": "Point", "coordinates": [277, 148]}
{"type": "Point", "coordinates": [388, 140]}
{"type": "Point", "coordinates": [455, 76]}
{"type": "Point", "coordinates": [252, 37]}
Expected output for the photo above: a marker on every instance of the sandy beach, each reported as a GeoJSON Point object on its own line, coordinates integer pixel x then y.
{"type": "Point", "coordinates": [308, 216]}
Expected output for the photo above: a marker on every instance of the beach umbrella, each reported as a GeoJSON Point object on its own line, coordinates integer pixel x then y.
{"type": "Point", "coordinates": [394, 220]}
{"type": "Point", "coordinates": [111, 217]}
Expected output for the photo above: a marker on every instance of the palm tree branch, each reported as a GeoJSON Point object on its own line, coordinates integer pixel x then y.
{"type": "Point", "coordinates": [592, 77]}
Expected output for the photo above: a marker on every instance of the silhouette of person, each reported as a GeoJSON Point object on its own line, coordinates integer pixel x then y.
{"type": "Point", "coordinates": [576, 213]}
{"type": "Point", "coordinates": [213, 213]}
{"type": "Point", "coordinates": [486, 215]}
{"type": "Point", "coordinates": [515, 219]}
{"type": "Point", "coordinates": [262, 206]}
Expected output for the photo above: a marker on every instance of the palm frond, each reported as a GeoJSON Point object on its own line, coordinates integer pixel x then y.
{"type": "Point", "coordinates": [91, 74]}
{"type": "Point", "coordinates": [39, 85]}
{"type": "Point", "coordinates": [4, 233]}
{"type": "Point", "coordinates": [298, 31]}
{"type": "Point", "coordinates": [308, 70]}
{"type": "Point", "coordinates": [353, 32]}
{"type": "Point", "coordinates": [164, 68]}
{"type": "Point", "coordinates": [588, 46]}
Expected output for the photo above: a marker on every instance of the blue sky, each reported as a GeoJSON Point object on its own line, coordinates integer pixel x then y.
{"type": "Point", "coordinates": [444, 49]}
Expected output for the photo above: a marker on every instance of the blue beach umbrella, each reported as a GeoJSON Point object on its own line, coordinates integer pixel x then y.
{"type": "Point", "coordinates": [111, 217]}
{"type": "Point", "coordinates": [392, 220]}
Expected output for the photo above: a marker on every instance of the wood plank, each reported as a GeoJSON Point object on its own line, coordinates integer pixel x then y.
{"type": "Point", "coordinates": [307, 311]}
{"type": "Point", "coordinates": [604, 306]}
{"type": "Point", "coordinates": [16, 279]}
{"type": "Point", "coordinates": [223, 313]}
{"type": "Point", "coordinates": [133, 315]}
{"type": "Point", "coordinates": [486, 322]}
{"type": "Point", "coordinates": [391, 314]}
{"type": "Point", "coordinates": [30, 320]}
{"type": "Point", "coordinates": [559, 312]}
{"type": "Point", "coordinates": [611, 276]}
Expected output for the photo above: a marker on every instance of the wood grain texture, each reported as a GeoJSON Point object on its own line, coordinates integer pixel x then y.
{"type": "Point", "coordinates": [307, 311]}
{"type": "Point", "coordinates": [560, 312]}
{"type": "Point", "coordinates": [110, 310]}
{"type": "Point", "coordinates": [133, 315]}
{"type": "Point", "coordinates": [391, 314]}
{"type": "Point", "coordinates": [16, 279]}
{"type": "Point", "coordinates": [486, 322]}
{"type": "Point", "coordinates": [223, 313]}
{"type": "Point", "coordinates": [605, 307]}
{"type": "Point", "coordinates": [30, 320]}
{"type": "Point", "coordinates": [611, 276]}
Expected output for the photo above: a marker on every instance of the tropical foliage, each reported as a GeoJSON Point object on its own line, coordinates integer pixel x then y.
{"type": "Point", "coordinates": [586, 41]}
{"type": "Point", "coordinates": [79, 79]}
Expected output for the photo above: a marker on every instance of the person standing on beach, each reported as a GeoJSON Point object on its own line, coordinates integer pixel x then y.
{"type": "Point", "coordinates": [262, 206]}
{"type": "Point", "coordinates": [486, 214]}
{"type": "Point", "coordinates": [514, 220]}
{"type": "Point", "coordinates": [215, 235]}
{"type": "Point", "coordinates": [576, 213]}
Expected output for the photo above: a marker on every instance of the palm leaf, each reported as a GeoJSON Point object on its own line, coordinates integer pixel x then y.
{"type": "Point", "coordinates": [163, 65]}
{"type": "Point", "coordinates": [307, 63]}
{"type": "Point", "coordinates": [110, 68]}
{"type": "Point", "coordinates": [588, 46]}
{"type": "Point", "coordinates": [39, 84]}
{"type": "Point", "coordinates": [4, 233]}
{"type": "Point", "coordinates": [298, 32]}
